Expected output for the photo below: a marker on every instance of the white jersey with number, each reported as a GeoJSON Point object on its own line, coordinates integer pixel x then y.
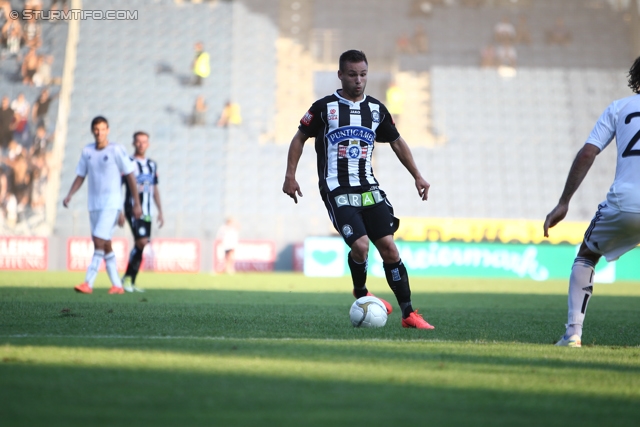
{"type": "Point", "coordinates": [622, 120]}
{"type": "Point", "coordinates": [104, 169]}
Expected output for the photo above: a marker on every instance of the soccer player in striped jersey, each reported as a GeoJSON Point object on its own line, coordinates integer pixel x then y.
{"type": "Point", "coordinates": [104, 163]}
{"type": "Point", "coordinates": [146, 175]}
{"type": "Point", "coordinates": [615, 228]}
{"type": "Point", "coordinates": [345, 126]}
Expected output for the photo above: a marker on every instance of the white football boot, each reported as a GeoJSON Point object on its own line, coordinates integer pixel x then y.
{"type": "Point", "coordinates": [572, 341]}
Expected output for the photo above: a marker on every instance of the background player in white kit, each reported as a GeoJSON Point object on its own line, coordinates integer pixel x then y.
{"type": "Point", "coordinates": [104, 163]}
{"type": "Point", "coordinates": [615, 228]}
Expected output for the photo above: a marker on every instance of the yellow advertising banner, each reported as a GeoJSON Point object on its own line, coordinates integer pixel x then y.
{"type": "Point", "coordinates": [487, 230]}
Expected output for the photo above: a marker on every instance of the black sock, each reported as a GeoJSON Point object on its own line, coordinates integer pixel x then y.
{"type": "Point", "coordinates": [358, 276]}
{"type": "Point", "coordinates": [406, 308]}
{"type": "Point", "coordinates": [135, 259]}
{"type": "Point", "coordinates": [398, 281]}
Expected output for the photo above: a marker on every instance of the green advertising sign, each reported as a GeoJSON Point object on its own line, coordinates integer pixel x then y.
{"type": "Point", "coordinates": [537, 262]}
{"type": "Point", "coordinates": [326, 256]}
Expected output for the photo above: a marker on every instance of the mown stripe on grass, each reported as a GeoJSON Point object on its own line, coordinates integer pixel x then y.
{"type": "Point", "coordinates": [296, 282]}
{"type": "Point", "coordinates": [567, 380]}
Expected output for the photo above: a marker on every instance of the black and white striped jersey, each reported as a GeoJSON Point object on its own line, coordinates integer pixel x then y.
{"type": "Point", "coordinates": [146, 173]}
{"type": "Point", "coordinates": [345, 132]}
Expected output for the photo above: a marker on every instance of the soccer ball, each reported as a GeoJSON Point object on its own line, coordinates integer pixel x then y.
{"type": "Point", "coordinates": [368, 312]}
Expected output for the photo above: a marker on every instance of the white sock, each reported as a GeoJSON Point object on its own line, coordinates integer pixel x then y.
{"type": "Point", "coordinates": [112, 269]}
{"type": "Point", "coordinates": [580, 291]}
{"type": "Point", "coordinates": [92, 270]}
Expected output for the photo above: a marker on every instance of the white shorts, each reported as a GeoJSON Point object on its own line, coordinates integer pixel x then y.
{"type": "Point", "coordinates": [103, 222]}
{"type": "Point", "coordinates": [612, 233]}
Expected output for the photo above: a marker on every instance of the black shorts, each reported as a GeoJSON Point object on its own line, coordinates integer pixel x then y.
{"type": "Point", "coordinates": [352, 222]}
{"type": "Point", "coordinates": [139, 227]}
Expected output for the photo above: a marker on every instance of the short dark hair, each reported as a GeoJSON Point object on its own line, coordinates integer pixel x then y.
{"type": "Point", "coordinates": [98, 119]}
{"type": "Point", "coordinates": [353, 56]}
{"type": "Point", "coordinates": [634, 76]}
{"type": "Point", "coordinates": [140, 132]}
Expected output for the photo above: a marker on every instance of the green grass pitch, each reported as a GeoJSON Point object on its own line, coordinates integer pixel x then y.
{"type": "Point", "coordinates": [279, 350]}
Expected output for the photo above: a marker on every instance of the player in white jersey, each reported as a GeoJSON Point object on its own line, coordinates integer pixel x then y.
{"type": "Point", "coordinates": [146, 173]}
{"type": "Point", "coordinates": [615, 228]}
{"type": "Point", "coordinates": [104, 163]}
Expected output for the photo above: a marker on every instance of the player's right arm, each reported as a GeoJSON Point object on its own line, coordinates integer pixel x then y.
{"type": "Point", "coordinates": [291, 186]}
{"type": "Point", "coordinates": [82, 169]}
{"type": "Point", "coordinates": [133, 188]}
{"type": "Point", "coordinates": [75, 186]}
{"type": "Point", "coordinates": [600, 137]}
{"type": "Point", "coordinates": [581, 165]}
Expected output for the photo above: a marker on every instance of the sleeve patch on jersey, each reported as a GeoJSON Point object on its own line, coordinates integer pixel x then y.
{"type": "Point", "coordinates": [307, 118]}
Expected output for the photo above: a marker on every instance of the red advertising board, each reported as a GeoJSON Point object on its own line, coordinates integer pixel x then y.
{"type": "Point", "coordinates": [251, 255]}
{"type": "Point", "coordinates": [23, 253]}
{"type": "Point", "coordinates": [80, 252]}
{"type": "Point", "coordinates": [173, 255]}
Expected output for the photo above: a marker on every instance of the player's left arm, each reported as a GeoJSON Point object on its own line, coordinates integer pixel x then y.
{"type": "Point", "coordinates": [156, 199]}
{"type": "Point", "coordinates": [133, 188]}
{"type": "Point", "coordinates": [402, 151]}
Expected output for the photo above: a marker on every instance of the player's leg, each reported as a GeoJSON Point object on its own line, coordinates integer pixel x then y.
{"type": "Point", "coordinates": [347, 220]}
{"type": "Point", "coordinates": [381, 224]}
{"type": "Point", "coordinates": [395, 273]}
{"type": "Point", "coordinates": [580, 291]}
{"type": "Point", "coordinates": [398, 280]}
{"type": "Point", "coordinates": [348, 223]}
{"type": "Point", "coordinates": [357, 261]}
{"type": "Point", "coordinates": [141, 232]}
{"type": "Point", "coordinates": [102, 238]}
{"type": "Point", "coordinates": [611, 234]}
{"type": "Point", "coordinates": [112, 268]}
{"type": "Point", "coordinates": [98, 255]}
{"type": "Point", "coordinates": [133, 266]}
{"type": "Point", "coordinates": [230, 261]}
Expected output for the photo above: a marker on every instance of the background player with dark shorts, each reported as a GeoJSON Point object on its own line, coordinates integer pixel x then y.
{"type": "Point", "coordinates": [345, 126]}
{"type": "Point", "coordinates": [146, 174]}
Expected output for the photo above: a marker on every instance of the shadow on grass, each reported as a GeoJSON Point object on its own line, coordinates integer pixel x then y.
{"type": "Point", "coordinates": [66, 396]}
{"type": "Point", "coordinates": [612, 320]}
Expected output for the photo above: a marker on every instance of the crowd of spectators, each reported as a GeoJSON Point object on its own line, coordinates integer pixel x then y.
{"type": "Point", "coordinates": [22, 40]}
{"type": "Point", "coordinates": [25, 147]}
{"type": "Point", "coordinates": [25, 126]}
{"type": "Point", "coordinates": [416, 43]}
{"type": "Point", "coordinates": [502, 52]}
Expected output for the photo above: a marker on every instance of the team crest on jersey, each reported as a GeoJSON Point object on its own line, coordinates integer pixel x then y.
{"type": "Point", "coordinates": [347, 230]}
{"type": "Point", "coordinates": [307, 118]}
{"type": "Point", "coordinates": [375, 116]}
{"type": "Point", "coordinates": [352, 151]}
{"type": "Point", "coordinates": [105, 158]}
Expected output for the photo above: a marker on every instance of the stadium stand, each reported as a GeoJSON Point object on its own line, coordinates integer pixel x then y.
{"type": "Point", "coordinates": [492, 146]}
{"type": "Point", "coordinates": [30, 218]}
{"type": "Point", "coordinates": [206, 173]}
